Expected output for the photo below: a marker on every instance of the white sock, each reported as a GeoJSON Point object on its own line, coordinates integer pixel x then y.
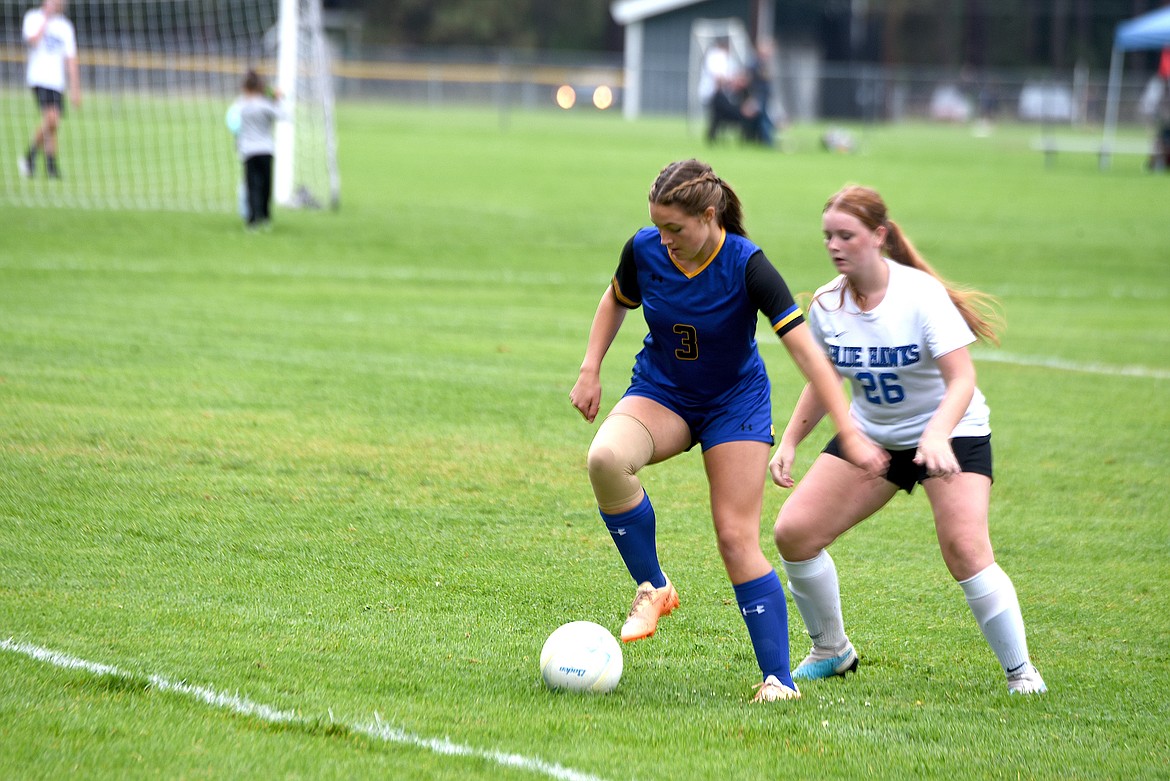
{"type": "Point", "coordinates": [992, 599]}
{"type": "Point", "coordinates": [817, 594]}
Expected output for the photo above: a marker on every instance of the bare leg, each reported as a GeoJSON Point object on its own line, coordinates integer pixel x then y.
{"type": "Point", "coordinates": [831, 499]}
{"type": "Point", "coordinates": [960, 505]}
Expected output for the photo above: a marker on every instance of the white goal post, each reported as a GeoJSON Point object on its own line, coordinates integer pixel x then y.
{"type": "Point", "coordinates": [157, 77]}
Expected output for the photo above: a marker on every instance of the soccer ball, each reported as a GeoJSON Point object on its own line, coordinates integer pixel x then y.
{"type": "Point", "coordinates": [581, 656]}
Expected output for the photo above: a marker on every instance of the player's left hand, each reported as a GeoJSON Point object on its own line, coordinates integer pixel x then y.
{"type": "Point", "coordinates": [937, 455]}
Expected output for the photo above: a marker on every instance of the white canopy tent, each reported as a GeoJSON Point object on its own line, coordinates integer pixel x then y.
{"type": "Point", "coordinates": [1148, 31]}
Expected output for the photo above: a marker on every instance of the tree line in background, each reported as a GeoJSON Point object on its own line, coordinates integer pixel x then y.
{"type": "Point", "coordinates": [1058, 34]}
{"type": "Point", "coordinates": [945, 33]}
{"type": "Point", "coordinates": [581, 25]}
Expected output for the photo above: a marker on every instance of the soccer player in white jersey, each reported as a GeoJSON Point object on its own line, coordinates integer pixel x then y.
{"type": "Point", "coordinates": [899, 335]}
{"type": "Point", "coordinates": [52, 65]}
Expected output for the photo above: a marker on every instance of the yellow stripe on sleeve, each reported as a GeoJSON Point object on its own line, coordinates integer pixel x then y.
{"type": "Point", "coordinates": [792, 316]}
{"type": "Point", "coordinates": [617, 292]}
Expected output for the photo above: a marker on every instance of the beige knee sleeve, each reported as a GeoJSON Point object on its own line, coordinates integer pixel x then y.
{"type": "Point", "coordinates": [621, 447]}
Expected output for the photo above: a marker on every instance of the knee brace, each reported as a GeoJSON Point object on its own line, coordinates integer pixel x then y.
{"type": "Point", "coordinates": [622, 446]}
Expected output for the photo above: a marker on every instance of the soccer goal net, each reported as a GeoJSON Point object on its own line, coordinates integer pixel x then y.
{"type": "Point", "coordinates": [157, 78]}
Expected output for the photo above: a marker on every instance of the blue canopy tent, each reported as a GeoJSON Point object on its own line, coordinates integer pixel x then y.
{"type": "Point", "coordinates": [1148, 31]}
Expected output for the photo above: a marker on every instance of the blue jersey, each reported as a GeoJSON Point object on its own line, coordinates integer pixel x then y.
{"type": "Point", "coordinates": [702, 324]}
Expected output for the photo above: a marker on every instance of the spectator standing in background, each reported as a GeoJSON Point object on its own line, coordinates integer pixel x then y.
{"type": "Point", "coordinates": [259, 110]}
{"type": "Point", "coordinates": [52, 65]}
{"type": "Point", "coordinates": [1160, 159]}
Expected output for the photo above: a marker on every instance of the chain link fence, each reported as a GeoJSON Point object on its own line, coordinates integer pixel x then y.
{"type": "Point", "coordinates": [805, 89]}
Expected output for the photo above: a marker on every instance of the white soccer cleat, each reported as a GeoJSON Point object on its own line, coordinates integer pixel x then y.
{"type": "Point", "coordinates": [23, 166]}
{"type": "Point", "coordinates": [1026, 680]}
{"type": "Point", "coordinates": [771, 690]}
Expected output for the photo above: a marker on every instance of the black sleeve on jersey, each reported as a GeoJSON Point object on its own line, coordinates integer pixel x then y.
{"type": "Point", "coordinates": [625, 279]}
{"type": "Point", "coordinates": [768, 291]}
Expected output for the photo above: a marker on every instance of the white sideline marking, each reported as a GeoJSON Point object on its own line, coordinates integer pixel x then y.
{"type": "Point", "coordinates": [762, 335]}
{"type": "Point", "coordinates": [1073, 366]}
{"type": "Point", "coordinates": [266, 713]}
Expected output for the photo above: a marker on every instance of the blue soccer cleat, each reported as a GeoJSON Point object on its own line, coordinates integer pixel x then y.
{"type": "Point", "coordinates": [825, 664]}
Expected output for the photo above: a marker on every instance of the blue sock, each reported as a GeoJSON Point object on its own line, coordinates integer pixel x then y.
{"type": "Point", "coordinates": [633, 534]}
{"type": "Point", "coordinates": [761, 602]}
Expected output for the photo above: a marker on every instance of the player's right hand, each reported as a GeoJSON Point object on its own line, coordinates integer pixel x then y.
{"type": "Point", "coordinates": [586, 395]}
{"type": "Point", "coordinates": [780, 466]}
{"type": "Point", "coordinates": [861, 451]}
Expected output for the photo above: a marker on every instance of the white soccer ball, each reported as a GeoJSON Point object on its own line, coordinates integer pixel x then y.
{"type": "Point", "coordinates": [581, 656]}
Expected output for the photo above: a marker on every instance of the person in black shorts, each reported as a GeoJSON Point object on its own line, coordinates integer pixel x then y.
{"type": "Point", "coordinates": [52, 64]}
{"type": "Point", "coordinates": [899, 334]}
{"type": "Point", "coordinates": [700, 380]}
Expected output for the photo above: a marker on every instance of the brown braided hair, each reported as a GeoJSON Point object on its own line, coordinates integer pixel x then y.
{"type": "Point", "coordinates": [693, 186]}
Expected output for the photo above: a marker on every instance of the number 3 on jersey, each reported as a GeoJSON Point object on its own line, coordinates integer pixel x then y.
{"type": "Point", "coordinates": [688, 341]}
{"type": "Point", "coordinates": [882, 389]}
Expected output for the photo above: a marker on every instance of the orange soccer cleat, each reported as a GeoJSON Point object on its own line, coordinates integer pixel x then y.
{"type": "Point", "coordinates": [650, 604]}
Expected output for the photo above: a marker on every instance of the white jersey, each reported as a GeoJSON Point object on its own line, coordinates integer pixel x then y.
{"type": "Point", "coordinates": [889, 355]}
{"type": "Point", "coordinates": [717, 68]}
{"type": "Point", "coordinates": [46, 60]}
{"type": "Point", "coordinates": [257, 120]}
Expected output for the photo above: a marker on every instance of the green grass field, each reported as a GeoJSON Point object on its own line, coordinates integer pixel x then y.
{"type": "Point", "coordinates": [319, 496]}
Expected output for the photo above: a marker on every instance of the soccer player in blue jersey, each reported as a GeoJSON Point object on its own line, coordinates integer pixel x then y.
{"type": "Point", "coordinates": [699, 379]}
{"type": "Point", "coordinates": [899, 334]}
